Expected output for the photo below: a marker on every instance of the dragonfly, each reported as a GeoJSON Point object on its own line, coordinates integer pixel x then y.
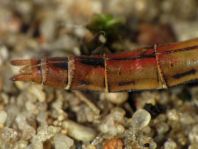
{"type": "Point", "coordinates": [155, 67]}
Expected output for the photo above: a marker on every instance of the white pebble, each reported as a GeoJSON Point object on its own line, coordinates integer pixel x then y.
{"type": "Point", "coordinates": [38, 92]}
{"type": "Point", "coordinates": [140, 119]}
{"type": "Point", "coordinates": [3, 117]}
{"type": "Point", "coordinates": [3, 54]}
{"type": "Point", "coordinates": [8, 134]}
{"type": "Point", "coordinates": [79, 132]}
{"type": "Point", "coordinates": [63, 142]}
{"type": "Point", "coordinates": [173, 115]}
{"type": "Point", "coordinates": [27, 130]}
{"type": "Point", "coordinates": [170, 145]}
{"type": "Point", "coordinates": [113, 123]}
{"type": "Point", "coordinates": [36, 144]}
{"type": "Point", "coordinates": [115, 98]}
{"type": "Point", "coordinates": [193, 134]}
{"type": "Point", "coordinates": [46, 132]}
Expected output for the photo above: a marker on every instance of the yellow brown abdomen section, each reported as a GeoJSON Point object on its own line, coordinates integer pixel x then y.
{"type": "Point", "coordinates": [179, 62]}
{"type": "Point", "coordinates": [133, 72]}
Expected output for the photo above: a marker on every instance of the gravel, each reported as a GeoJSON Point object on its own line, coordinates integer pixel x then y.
{"type": "Point", "coordinates": [33, 116]}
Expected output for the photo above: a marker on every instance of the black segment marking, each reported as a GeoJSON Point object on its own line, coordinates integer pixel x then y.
{"type": "Point", "coordinates": [183, 74]}
{"type": "Point", "coordinates": [61, 65]}
{"type": "Point", "coordinates": [126, 83]}
{"type": "Point", "coordinates": [96, 62]}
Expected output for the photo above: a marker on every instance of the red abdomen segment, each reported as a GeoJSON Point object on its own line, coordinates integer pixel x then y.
{"type": "Point", "coordinates": [154, 67]}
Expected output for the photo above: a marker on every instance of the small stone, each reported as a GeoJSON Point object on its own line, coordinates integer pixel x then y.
{"type": "Point", "coordinates": [79, 132]}
{"type": "Point", "coordinates": [3, 117]}
{"type": "Point", "coordinates": [170, 144]}
{"type": "Point", "coordinates": [31, 107]}
{"type": "Point", "coordinates": [48, 26]}
{"type": "Point", "coordinates": [185, 10]}
{"type": "Point", "coordinates": [193, 135]}
{"type": "Point", "coordinates": [38, 92]}
{"type": "Point", "coordinates": [173, 115]}
{"type": "Point", "coordinates": [140, 119]}
{"type": "Point", "coordinates": [145, 9]}
{"type": "Point", "coordinates": [89, 146]}
{"type": "Point", "coordinates": [63, 142]}
{"type": "Point", "coordinates": [147, 142]}
{"type": "Point", "coordinates": [8, 134]}
{"type": "Point", "coordinates": [193, 146]}
{"type": "Point", "coordinates": [162, 128]}
{"type": "Point", "coordinates": [36, 144]}
{"type": "Point", "coordinates": [115, 98]}
{"type": "Point", "coordinates": [27, 130]}
{"type": "Point", "coordinates": [114, 143]}
{"type": "Point", "coordinates": [113, 123]}
{"type": "Point", "coordinates": [182, 30]}
{"type": "Point", "coordinates": [22, 144]}
{"type": "Point", "coordinates": [3, 54]}
{"type": "Point", "coordinates": [46, 132]}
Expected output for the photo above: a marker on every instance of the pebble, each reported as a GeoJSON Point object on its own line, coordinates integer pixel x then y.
{"type": "Point", "coordinates": [37, 91]}
{"type": "Point", "coordinates": [115, 98]}
{"type": "Point", "coordinates": [1, 83]}
{"type": "Point", "coordinates": [117, 7]}
{"type": "Point", "coordinates": [173, 115]}
{"type": "Point", "coordinates": [31, 107]}
{"type": "Point", "coordinates": [46, 132]}
{"type": "Point", "coordinates": [193, 135]}
{"type": "Point", "coordinates": [22, 144]}
{"type": "Point", "coordinates": [185, 9]}
{"type": "Point", "coordinates": [8, 134]}
{"type": "Point", "coordinates": [170, 144]}
{"type": "Point", "coordinates": [147, 142]}
{"type": "Point", "coordinates": [36, 144]}
{"type": "Point", "coordinates": [146, 98]}
{"type": "Point", "coordinates": [140, 119]}
{"type": "Point", "coordinates": [89, 146]}
{"type": "Point", "coordinates": [193, 146]}
{"type": "Point", "coordinates": [63, 142]}
{"type": "Point", "coordinates": [48, 27]}
{"type": "Point", "coordinates": [3, 117]}
{"type": "Point", "coordinates": [162, 128]}
{"type": "Point", "coordinates": [79, 132]}
{"type": "Point", "coordinates": [27, 130]}
{"type": "Point", "coordinates": [145, 9]}
{"type": "Point", "coordinates": [113, 123]}
{"type": "Point", "coordinates": [3, 54]}
{"type": "Point", "coordinates": [114, 143]}
{"type": "Point", "coordinates": [183, 31]}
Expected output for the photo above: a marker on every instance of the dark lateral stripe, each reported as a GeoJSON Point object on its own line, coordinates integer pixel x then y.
{"type": "Point", "coordinates": [135, 57]}
{"type": "Point", "coordinates": [96, 62]}
{"type": "Point", "coordinates": [126, 83]}
{"type": "Point", "coordinates": [152, 55]}
{"type": "Point", "coordinates": [61, 63]}
{"type": "Point", "coordinates": [178, 50]}
{"type": "Point", "coordinates": [183, 74]}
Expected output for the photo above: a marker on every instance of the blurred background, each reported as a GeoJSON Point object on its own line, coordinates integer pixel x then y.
{"type": "Point", "coordinates": [37, 117]}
